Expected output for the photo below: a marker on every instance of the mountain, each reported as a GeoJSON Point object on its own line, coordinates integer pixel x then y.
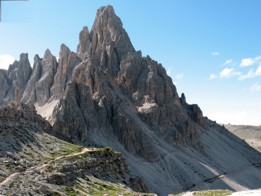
{"type": "Point", "coordinates": [108, 95]}
{"type": "Point", "coordinates": [251, 134]}
{"type": "Point", "coordinates": [36, 163]}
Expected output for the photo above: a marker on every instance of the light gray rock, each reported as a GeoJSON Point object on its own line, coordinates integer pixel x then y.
{"type": "Point", "coordinates": [107, 43]}
{"type": "Point", "coordinates": [67, 62]}
{"type": "Point", "coordinates": [84, 45]}
{"type": "Point", "coordinates": [44, 84]}
{"type": "Point", "coordinates": [4, 85]}
{"type": "Point", "coordinates": [29, 94]}
{"type": "Point", "coordinates": [38, 89]}
{"type": "Point", "coordinates": [18, 73]}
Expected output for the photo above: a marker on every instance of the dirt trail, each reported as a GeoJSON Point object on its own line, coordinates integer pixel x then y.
{"type": "Point", "coordinates": [84, 150]}
{"type": "Point", "coordinates": [9, 178]}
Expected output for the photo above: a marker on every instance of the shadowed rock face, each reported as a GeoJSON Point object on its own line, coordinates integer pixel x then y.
{"type": "Point", "coordinates": [4, 84]}
{"type": "Point", "coordinates": [193, 111]}
{"type": "Point", "coordinates": [108, 94]}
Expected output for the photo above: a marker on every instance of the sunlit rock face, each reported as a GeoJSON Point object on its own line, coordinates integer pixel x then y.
{"type": "Point", "coordinates": [108, 94]}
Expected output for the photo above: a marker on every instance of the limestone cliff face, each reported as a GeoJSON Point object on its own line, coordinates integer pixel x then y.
{"type": "Point", "coordinates": [193, 111]}
{"type": "Point", "coordinates": [4, 85]}
{"type": "Point", "coordinates": [18, 73]}
{"type": "Point", "coordinates": [117, 90]}
{"type": "Point", "coordinates": [41, 80]}
{"type": "Point", "coordinates": [105, 88]}
{"type": "Point", "coordinates": [108, 94]}
{"type": "Point", "coordinates": [107, 43]}
{"type": "Point", "coordinates": [67, 62]}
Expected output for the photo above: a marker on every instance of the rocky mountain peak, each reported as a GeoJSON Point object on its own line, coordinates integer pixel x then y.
{"type": "Point", "coordinates": [183, 99]}
{"type": "Point", "coordinates": [64, 49]}
{"type": "Point", "coordinates": [106, 9]}
{"type": "Point", "coordinates": [107, 36]}
{"type": "Point", "coordinates": [107, 94]}
{"type": "Point", "coordinates": [106, 17]}
{"type": "Point", "coordinates": [18, 73]}
{"type": "Point", "coordinates": [84, 42]}
{"type": "Point", "coordinates": [36, 58]}
{"type": "Point", "coordinates": [47, 53]}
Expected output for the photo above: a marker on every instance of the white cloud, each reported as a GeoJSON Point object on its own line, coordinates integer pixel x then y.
{"type": "Point", "coordinates": [251, 73]}
{"type": "Point", "coordinates": [6, 60]}
{"type": "Point", "coordinates": [228, 73]}
{"type": "Point", "coordinates": [258, 70]}
{"type": "Point", "coordinates": [229, 61]}
{"type": "Point", "coordinates": [255, 88]}
{"type": "Point", "coordinates": [246, 62]}
{"type": "Point", "coordinates": [215, 53]}
{"type": "Point", "coordinates": [250, 61]}
{"type": "Point", "coordinates": [212, 77]}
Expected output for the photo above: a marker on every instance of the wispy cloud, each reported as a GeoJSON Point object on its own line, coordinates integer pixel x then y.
{"type": "Point", "coordinates": [227, 62]}
{"type": "Point", "coordinates": [215, 53]}
{"type": "Point", "coordinates": [213, 76]}
{"type": "Point", "coordinates": [250, 61]}
{"type": "Point", "coordinates": [251, 73]}
{"type": "Point", "coordinates": [229, 72]}
{"type": "Point", "coordinates": [255, 88]}
{"type": "Point", "coordinates": [6, 60]}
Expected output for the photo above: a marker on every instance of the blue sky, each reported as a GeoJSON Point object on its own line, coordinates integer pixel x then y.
{"type": "Point", "coordinates": [211, 49]}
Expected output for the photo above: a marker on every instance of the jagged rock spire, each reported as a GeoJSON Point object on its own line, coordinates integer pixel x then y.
{"type": "Point", "coordinates": [67, 62]}
{"type": "Point", "coordinates": [84, 43]}
{"type": "Point", "coordinates": [107, 30]}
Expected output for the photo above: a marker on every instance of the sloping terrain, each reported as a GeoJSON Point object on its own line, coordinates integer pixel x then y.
{"type": "Point", "coordinates": [220, 192]}
{"type": "Point", "coordinates": [108, 95]}
{"type": "Point", "coordinates": [36, 163]}
{"type": "Point", "coordinates": [251, 134]}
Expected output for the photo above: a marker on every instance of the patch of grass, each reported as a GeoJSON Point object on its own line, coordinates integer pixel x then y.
{"type": "Point", "coordinates": [213, 193]}
{"type": "Point", "coordinates": [29, 154]}
{"type": "Point", "coordinates": [67, 149]}
{"type": "Point", "coordinates": [9, 167]}
{"type": "Point", "coordinates": [55, 194]}
{"type": "Point", "coordinates": [70, 191]}
{"type": "Point", "coordinates": [100, 188]}
{"type": "Point", "coordinates": [11, 185]}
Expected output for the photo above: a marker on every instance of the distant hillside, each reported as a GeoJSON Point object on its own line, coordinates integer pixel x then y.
{"type": "Point", "coordinates": [251, 134]}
